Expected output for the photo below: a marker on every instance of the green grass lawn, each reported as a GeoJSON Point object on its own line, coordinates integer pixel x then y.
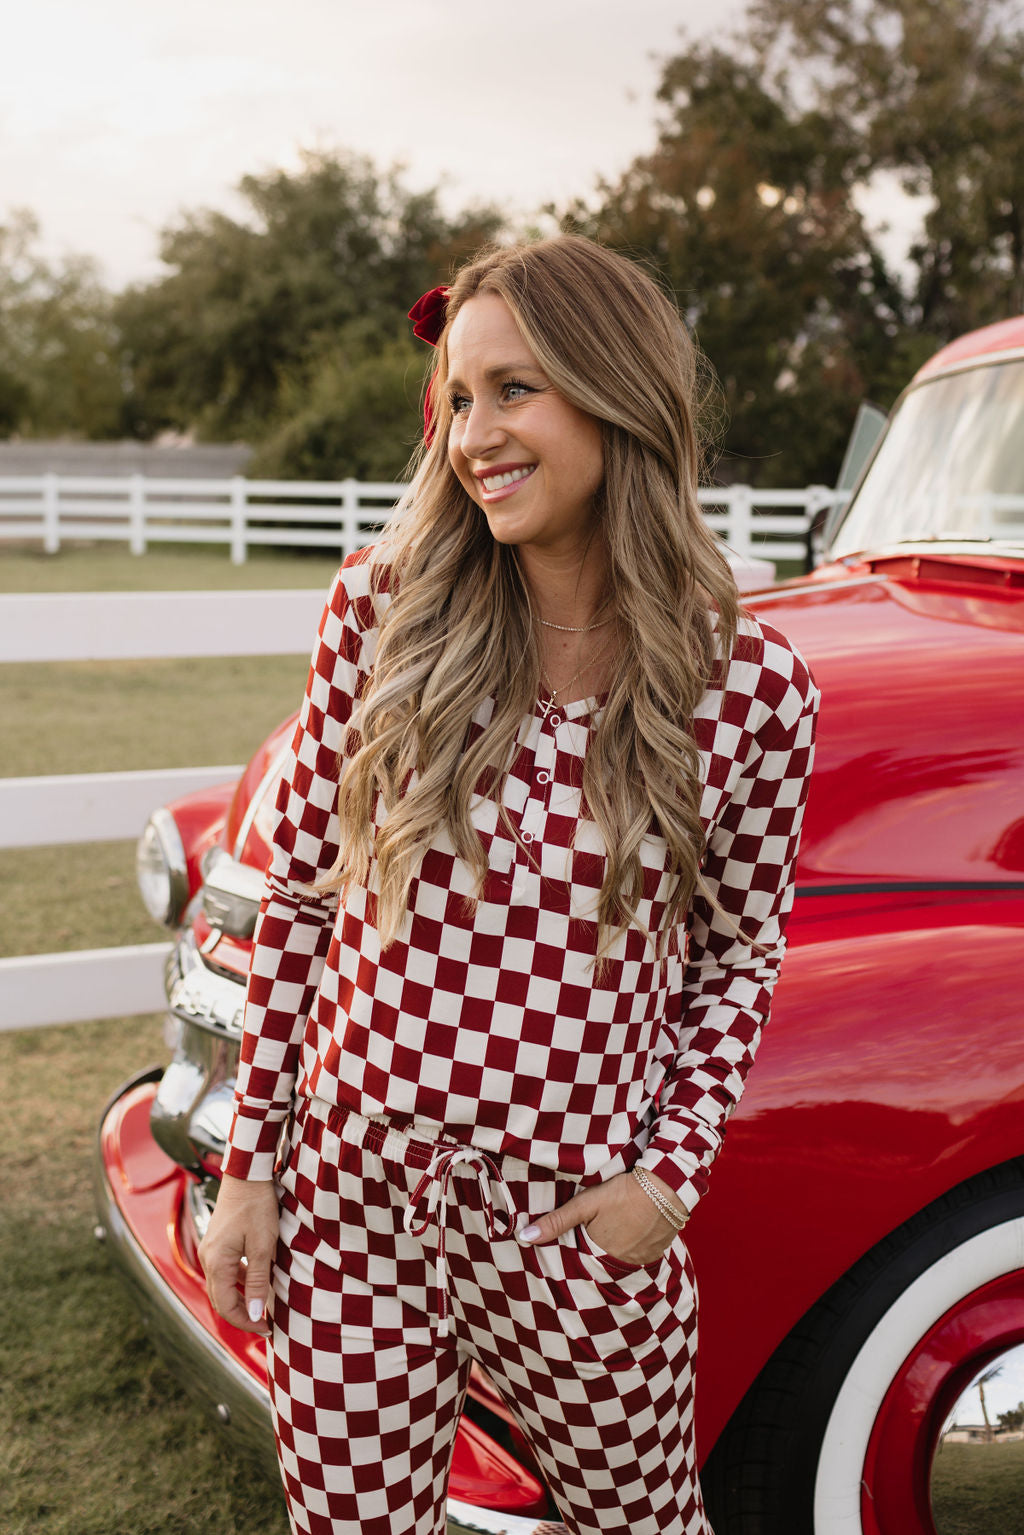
{"type": "Point", "coordinates": [978, 1489]}
{"type": "Point", "coordinates": [86, 567]}
{"type": "Point", "coordinates": [79, 897]}
{"type": "Point", "coordinates": [103, 716]}
{"type": "Point", "coordinates": [96, 1438]}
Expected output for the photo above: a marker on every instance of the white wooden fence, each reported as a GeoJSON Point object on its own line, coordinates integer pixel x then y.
{"type": "Point", "coordinates": [42, 989]}
{"type": "Point", "coordinates": [338, 515]}
{"type": "Point", "coordinates": [67, 987]}
{"type": "Point", "coordinates": [241, 513]}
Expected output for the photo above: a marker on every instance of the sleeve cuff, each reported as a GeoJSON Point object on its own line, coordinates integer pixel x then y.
{"type": "Point", "coordinates": [252, 1147]}
{"type": "Point", "coordinates": [253, 1167]}
{"type": "Point", "coordinates": [685, 1177]}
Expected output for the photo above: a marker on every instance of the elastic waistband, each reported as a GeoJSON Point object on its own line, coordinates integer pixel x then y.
{"type": "Point", "coordinates": [403, 1140]}
{"type": "Point", "coordinates": [415, 1145]}
{"type": "Point", "coordinates": [406, 1141]}
{"type": "Point", "coordinates": [435, 1158]}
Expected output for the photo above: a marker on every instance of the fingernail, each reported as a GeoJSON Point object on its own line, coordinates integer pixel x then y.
{"type": "Point", "coordinates": [255, 1310]}
{"type": "Point", "coordinates": [529, 1234]}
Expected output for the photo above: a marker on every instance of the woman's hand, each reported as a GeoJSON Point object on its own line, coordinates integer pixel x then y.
{"type": "Point", "coordinates": [238, 1249]}
{"type": "Point", "coordinates": [623, 1220]}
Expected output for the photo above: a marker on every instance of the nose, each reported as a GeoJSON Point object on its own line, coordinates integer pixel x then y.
{"type": "Point", "coordinates": [482, 430]}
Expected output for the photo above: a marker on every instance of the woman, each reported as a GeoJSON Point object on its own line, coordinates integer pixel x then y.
{"type": "Point", "coordinates": [508, 979]}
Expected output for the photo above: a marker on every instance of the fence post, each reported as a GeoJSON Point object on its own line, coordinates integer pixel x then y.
{"type": "Point", "coordinates": [137, 515]}
{"type": "Point", "coordinates": [740, 516]}
{"type": "Point", "coordinates": [349, 516]}
{"type": "Point", "coordinates": [51, 514]}
{"type": "Point", "coordinates": [239, 502]}
{"type": "Point", "coordinates": [820, 498]}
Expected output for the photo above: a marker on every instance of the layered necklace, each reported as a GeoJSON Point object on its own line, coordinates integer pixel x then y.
{"type": "Point", "coordinates": [549, 703]}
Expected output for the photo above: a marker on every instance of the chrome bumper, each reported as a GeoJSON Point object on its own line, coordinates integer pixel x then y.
{"type": "Point", "coordinates": [204, 1368]}
{"type": "Point", "coordinates": [210, 1374]}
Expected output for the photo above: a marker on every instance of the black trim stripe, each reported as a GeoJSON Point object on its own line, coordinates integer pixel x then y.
{"type": "Point", "coordinates": [881, 886]}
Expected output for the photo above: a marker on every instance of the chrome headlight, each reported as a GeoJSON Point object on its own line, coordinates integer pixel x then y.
{"type": "Point", "coordinates": [161, 869]}
{"type": "Point", "coordinates": [231, 894]}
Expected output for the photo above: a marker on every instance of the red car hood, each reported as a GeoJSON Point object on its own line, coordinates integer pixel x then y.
{"type": "Point", "coordinates": [920, 758]}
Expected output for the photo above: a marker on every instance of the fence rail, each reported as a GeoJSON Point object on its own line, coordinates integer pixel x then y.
{"type": "Point", "coordinates": [113, 626]}
{"type": "Point", "coordinates": [338, 515]}
{"type": "Point", "coordinates": [59, 810]}
{"type": "Point", "coordinates": [41, 989]}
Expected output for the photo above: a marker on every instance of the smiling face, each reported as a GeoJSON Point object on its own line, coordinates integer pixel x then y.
{"type": "Point", "coordinates": [532, 461]}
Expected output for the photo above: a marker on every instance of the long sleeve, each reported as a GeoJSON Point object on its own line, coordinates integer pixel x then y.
{"type": "Point", "coordinates": [294, 926]}
{"type": "Point", "coordinates": [729, 977]}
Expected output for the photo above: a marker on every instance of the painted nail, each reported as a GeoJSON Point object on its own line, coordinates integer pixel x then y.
{"type": "Point", "coordinates": [255, 1310]}
{"type": "Point", "coordinates": [529, 1234]}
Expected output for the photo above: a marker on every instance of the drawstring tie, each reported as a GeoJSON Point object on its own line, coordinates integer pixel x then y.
{"type": "Point", "coordinates": [430, 1198]}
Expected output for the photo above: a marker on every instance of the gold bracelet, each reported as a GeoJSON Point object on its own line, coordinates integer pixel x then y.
{"type": "Point", "coordinates": [661, 1202]}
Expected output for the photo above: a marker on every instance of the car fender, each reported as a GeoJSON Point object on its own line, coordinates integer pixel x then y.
{"type": "Point", "coordinates": [870, 1099]}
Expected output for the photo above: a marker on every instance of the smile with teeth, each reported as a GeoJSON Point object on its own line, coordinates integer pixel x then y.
{"type": "Point", "coordinates": [496, 482]}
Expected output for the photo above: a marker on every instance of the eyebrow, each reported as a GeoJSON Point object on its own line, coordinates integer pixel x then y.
{"type": "Point", "coordinates": [453, 379]}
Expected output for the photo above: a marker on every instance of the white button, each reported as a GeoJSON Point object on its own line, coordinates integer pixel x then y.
{"type": "Point", "coordinates": [543, 777]}
{"type": "Point", "coordinates": [554, 720]}
{"type": "Point", "coordinates": [527, 836]}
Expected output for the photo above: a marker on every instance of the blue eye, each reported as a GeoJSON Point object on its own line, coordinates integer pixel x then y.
{"type": "Point", "coordinates": [512, 389]}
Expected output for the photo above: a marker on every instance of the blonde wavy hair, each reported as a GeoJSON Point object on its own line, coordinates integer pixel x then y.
{"type": "Point", "coordinates": [459, 627]}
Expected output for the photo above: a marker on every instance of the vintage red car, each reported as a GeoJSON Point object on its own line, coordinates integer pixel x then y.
{"type": "Point", "coordinates": [861, 1253]}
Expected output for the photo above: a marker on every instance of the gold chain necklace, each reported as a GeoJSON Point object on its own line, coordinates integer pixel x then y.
{"type": "Point", "coordinates": [549, 703]}
{"type": "Point", "coordinates": [575, 629]}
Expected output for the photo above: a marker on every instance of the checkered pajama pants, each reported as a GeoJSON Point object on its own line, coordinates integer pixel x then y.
{"type": "Point", "coordinates": [397, 1266]}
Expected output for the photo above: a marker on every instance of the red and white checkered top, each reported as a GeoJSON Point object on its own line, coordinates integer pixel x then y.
{"type": "Point", "coordinates": [485, 1021]}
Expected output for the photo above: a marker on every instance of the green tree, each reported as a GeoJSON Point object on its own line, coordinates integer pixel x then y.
{"type": "Point", "coordinates": [748, 207]}
{"type": "Point", "coordinates": [328, 261]}
{"type": "Point", "coordinates": [745, 208]}
{"type": "Point", "coordinates": [355, 411]}
{"type": "Point", "coordinates": [933, 91]}
{"type": "Point", "coordinates": [59, 367]}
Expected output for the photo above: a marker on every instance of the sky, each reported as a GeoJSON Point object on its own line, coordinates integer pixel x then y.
{"type": "Point", "coordinates": [1001, 1394]}
{"type": "Point", "coordinates": [117, 115]}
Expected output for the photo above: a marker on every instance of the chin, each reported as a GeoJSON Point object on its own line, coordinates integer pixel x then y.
{"type": "Point", "coordinates": [505, 532]}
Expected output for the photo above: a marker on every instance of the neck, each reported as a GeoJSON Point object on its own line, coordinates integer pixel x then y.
{"type": "Point", "coordinates": [566, 589]}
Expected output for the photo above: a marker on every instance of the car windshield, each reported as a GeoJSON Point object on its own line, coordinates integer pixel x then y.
{"type": "Point", "coordinates": [950, 467]}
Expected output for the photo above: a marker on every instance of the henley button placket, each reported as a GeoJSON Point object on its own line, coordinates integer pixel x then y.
{"type": "Point", "coordinates": [531, 822]}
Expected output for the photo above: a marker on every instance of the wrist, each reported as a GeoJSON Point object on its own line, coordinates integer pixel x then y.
{"type": "Point", "coordinates": [663, 1197]}
{"type": "Point", "coordinates": [234, 1188]}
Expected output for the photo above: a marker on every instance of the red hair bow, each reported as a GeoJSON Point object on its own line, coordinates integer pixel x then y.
{"type": "Point", "coordinates": [428, 316]}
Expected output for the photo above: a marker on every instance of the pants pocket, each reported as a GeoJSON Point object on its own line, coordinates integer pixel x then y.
{"type": "Point", "coordinates": [616, 1268]}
